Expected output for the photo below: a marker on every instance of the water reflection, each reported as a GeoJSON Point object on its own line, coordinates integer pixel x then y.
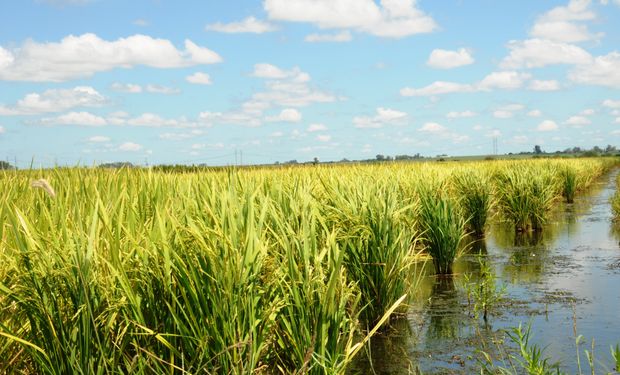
{"type": "Point", "coordinates": [393, 349]}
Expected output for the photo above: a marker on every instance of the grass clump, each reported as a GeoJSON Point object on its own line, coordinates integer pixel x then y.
{"type": "Point", "coordinates": [377, 233]}
{"type": "Point", "coordinates": [474, 190]}
{"type": "Point", "coordinates": [442, 227]}
{"type": "Point", "coordinates": [526, 196]}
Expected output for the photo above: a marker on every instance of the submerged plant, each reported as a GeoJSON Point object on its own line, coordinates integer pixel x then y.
{"type": "Point", "coordinates": [483, 293]}
{"type": "Point", "coordinates": [443, 229]}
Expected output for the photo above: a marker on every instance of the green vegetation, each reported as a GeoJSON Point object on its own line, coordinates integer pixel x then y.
{"type": "Point", "coordinates": [443, 229]}
{"type": "Point", "coordinates": [275, 270]}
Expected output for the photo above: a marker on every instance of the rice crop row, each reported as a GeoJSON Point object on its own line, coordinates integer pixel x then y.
{"type": "Point", "coordinates": [233, 271]}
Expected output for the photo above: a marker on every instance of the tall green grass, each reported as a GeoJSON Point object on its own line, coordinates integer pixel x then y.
{"type": "Point", "coordinates": [443, 228]}
{"type": "Point", "coordinates": [474, 190]}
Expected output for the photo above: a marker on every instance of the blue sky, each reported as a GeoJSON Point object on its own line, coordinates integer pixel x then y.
{"type": "Point", "coordinates": [159, 81]}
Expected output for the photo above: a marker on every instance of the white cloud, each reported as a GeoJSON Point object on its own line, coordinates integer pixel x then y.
{"type": "Point", "coordinates": [316, 128]}
{"type": "Point", "coordinates": [247, 25]}
{"type": "Point", "coordinates": [84, 55]}
{"type": "Point", "coordinates": [508, 111]}
{"type": "Point", "coordinates": [547, 126]}
{"type": "Point", "coordinates": [383, 117]}
{"type": "Point", "coordinates": [587, 112]}
{"type": "Point", "coordinates": [129, 88]}
{"type": "Point", "coordinates": [55, 100]}
{"type": "Point", "coordinates": [1, 129]}
{"type": "Point", "coordinates": [130, 146]}
{"type": "Point", "coordinates": [505, 80]}
{"type": "Point", "coordinates": [536, 53]}
{"type": "Point", "coordinates": [287, 89]}
{"type": "Point", "coordinates": [464, 114]}
{"type": "Point", "coordinates": [445, 59]}
{"type": "Point", "coordinates": [132, 88]}
{"type": "Point", "coordinates": [611, 103]}
{"type": "Point", "coordinates": [199, 78]}
{"type": "Point", "coordinates": [181, 136]}
{"type": "Point", "coordinates": [390, 18]}
{"type": "Point", "coordinates": [155, 121]}
{"type": "Point", "coordinates": [534, 113]}
{"type": "Point", "coordinates": [432, 127]}
{"type": "Point", "coordinates": [578, 121]}
{"type": "Point", "coordinates": [286, 115]}
{"type": "Point", "coordinates": [277, 134]}
{"type": "Point", "coordinates": [561, 23]}
{"type": "Point", "coordinates": [158, 89]}
{"type": "Point", "coordinates": [74, 118]}
{"type": "Point", "coordinates": [99, 139]}
{"type": "Point", "coordinates": [343, 36]}
{"type": "Point", "coordinates": [550, 85]}
{"type": "Point", "coordinates": [323, 138]}
{"type": "Point", "coordinates": [437, 88]}
{"type": "Point", "coordinates": [602, 71]}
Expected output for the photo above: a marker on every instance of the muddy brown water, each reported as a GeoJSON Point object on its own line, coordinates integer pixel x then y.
{"type": "Point", "coordinates": [564, 278]}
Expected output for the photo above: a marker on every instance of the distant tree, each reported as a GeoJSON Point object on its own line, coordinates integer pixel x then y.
{"type": "Point", "coordinates": [576, 150]}
{"type": "Point", "coordinates": [315, 161]}
{"type": "Point", "coordinates": [5, 165]}
{"type": "Point", "coordinates": [380, 157]}
{"type": "Point", "coordinates": [610, 149]}
{"type": "Point", "coordinates": [597, 149]}
{"type": "Point", "coordinates": [537, 150]}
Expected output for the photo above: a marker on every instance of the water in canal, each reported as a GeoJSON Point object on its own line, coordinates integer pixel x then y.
{"type": "Point", "coordinates": [565, 278]}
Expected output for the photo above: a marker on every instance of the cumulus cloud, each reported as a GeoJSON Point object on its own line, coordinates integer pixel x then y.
{"type": "Point", "coordinates": [55, 100]}
{"type": "Point", "coordinates": [566, 23]}
{"type": "Point", "coordinates": [389, 18]}
{"type": "Point", "coordinates": [284, 89]}
{"type": "Point", "coordinates": [445, 59]}
{"type": "Point", "coordinates": [286, 115]}
{"type": "Point", "coordinates": [508, 111]}
{"type": "Point", "coordinates": [323, 138]}
{"type": "Point", "coordinates": [130, 147]}
{"type": "Point", "coordinates": [534, 113]}
{"type": "Point", "coordinates": [539, 85]}
{"type": "Point", "coordinates": [247, 25]}
{"type": "Point", "coordinates": [99, 139]}
{"type": "Point", "coordinates": [602, 71]}
{"type": "Point", "coordinates": [432, 127]}
{"type": "Point", "coordinates": [578, 121]}
{"type": "Point", "coordinates": [199, 78]}
{"type": "Point", "coordinates": [132, 88]}
{"type": "Point", "coordinates": [547, 126]}
{"type": "Point", "coordinates": [463, 114]}
{"type": "Point", "coordinates": [383, 117]}
{"type": "Point", "coordinates": [129, 88]}
{"type": "Point", "coordinates": [343, 36]}
{"type": "Point", "coordinates": [84, 55]}
{"type": "Point", "coordinates": [609, 103]}
{"type": "Point", "coordinates": [505, 80]}
{"type": "Point", "coordinates": [536, 53]}
{"type": "Point", "coordinates": [74, 118]}
{"type": "Point", "coordinates": [316, 128]}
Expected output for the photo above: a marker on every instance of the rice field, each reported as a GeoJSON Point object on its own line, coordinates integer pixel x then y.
{"type": "Point", "coordinates": [239, 271]}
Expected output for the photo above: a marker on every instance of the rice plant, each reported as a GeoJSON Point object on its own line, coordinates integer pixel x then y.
{"type": "Point", "coordinates": [475, 198]}
{"type": "Point", "coordinates": [377, 233]}
{"type": "Point", "coordinates": [568, 178]}
{"type": "Point", "coordinates": [442, 227]}
{"type": "Point", "coordinates": [526, 196]}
